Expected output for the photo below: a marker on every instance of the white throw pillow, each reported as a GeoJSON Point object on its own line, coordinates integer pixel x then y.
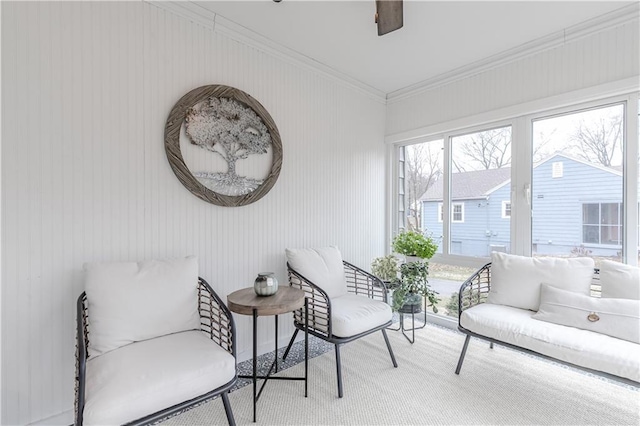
{"type": "Point", "coordinates": [614, 317]}
{"type": "Point", "coordinates": [515, 280]}
{"type": "Point", "coordinates": [129, 302]}
{"type": "Point", "coordinates": [619, 281]}
{"type": "Point", "coordinates": [322, 266]}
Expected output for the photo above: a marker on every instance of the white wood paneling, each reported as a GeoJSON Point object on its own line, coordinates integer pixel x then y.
{"type": "Point", "coordinates": [87, 88]}
{"type": "Point", "coordinates": [605, 56]}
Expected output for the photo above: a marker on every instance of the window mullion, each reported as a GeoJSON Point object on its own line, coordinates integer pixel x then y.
{"type": "Point", "coordinates": [630, 182]}
{"type": "Point", "coordinates": [446, 192]}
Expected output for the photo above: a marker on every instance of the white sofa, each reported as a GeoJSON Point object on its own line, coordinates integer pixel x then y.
{"type": "Point", "coordinates": [562, 309]}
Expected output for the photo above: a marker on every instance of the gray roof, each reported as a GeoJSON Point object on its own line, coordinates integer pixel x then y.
{"type": "Point", "coordinates": [470, 185]}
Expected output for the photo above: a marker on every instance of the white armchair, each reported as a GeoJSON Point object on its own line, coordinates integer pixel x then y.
{"type": "Point", "coordinates": [152, 339]}
{"type": "Point", "coordinates": [345, 302]}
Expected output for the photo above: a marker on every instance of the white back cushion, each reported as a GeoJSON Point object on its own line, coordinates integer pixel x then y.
{"type": "Point", "coordinates": [130, 302]}
{"type": "Point", "coordinates": [515, 280]}
{"type": "Point", "coordinates": [619, 281]}
{"type": "Point", "coordinates": [614, 317]}
{"type": "Point", "coordinates": [322, 266]}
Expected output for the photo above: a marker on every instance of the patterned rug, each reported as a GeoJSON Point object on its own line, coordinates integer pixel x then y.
{"type": "Point", "coordinates": [495, 386]}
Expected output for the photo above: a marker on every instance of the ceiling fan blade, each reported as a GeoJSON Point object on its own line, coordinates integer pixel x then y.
{"type": "Point", "coordinates": [389, 15]}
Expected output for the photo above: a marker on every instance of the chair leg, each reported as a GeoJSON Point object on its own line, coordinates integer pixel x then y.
{"type": "Point", "coordinates": [462, 354]}
{"type": "Point", "coordinates": [227, 409]}
{"type": "Point", "coordinates": [339, 370]}
{"type": "Point", "coordinates": [293, 338]}
{"type": "Point", "coordinates": [386, 340]}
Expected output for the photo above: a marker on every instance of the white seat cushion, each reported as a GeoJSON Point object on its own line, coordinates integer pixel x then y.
{"type": "Point", "coordinates": [322, 266]}
{"type": "Point", "coordinates": [129, 302]}
{"type": "Point", "coordinates": [352, 314]}
{"type": "Point", "coordinates": [145, 377]}
{"type": "Point", "coordinates": [515, 280]}
{"type": "Point", "coordinates": [580, 347]}
{"type": "Point", "coordinates": [619, 281]}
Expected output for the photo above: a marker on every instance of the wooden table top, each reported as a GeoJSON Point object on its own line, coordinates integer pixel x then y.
{"type": "Point", "coordinates": [287, 299]}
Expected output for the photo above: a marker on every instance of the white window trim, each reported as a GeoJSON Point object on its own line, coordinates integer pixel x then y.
{"type": "Point", "coordinates": [440, 215]}
{"type": "Point", "coordinates": [461, 211]}
{"type": "Point", "coordinates": [504, 209]}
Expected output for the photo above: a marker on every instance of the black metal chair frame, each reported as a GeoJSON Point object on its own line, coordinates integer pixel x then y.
{"type": "Point", "coordinates": [359, 282]}
{"type": "Point", "coordinates": [475, 290]}
{"type": "Point", "coordinates": [215, 321]}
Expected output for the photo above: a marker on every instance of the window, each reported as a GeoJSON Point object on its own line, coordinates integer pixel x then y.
{"type": "Point", "coordinates": [457, 212]}
{"type": "Point", "coordinates": [480, 168]}
{"type": "Point", "coordinates": [584, 150]}
{"type": "Point", "coordinates": [557, 169]}
{"type": "Point", "coordinates": [506, 209]}
{"type": "Point", "coordinates": [602, 223]}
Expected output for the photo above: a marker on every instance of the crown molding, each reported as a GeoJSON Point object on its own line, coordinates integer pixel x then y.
{"type": "Point", "coordinates": [230, 29]}
{"type": "Point", "coordinates": [191, 11]}
{"type": "Point", "coordinates": [612, 19]}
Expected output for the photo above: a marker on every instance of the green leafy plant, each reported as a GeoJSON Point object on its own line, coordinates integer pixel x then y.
{"type": "Point", "coordinates": [385, 268]}
{"type": "Point", "coordinates": [413, 284]}
{"type": "Point", "coordinates": [411, 243]}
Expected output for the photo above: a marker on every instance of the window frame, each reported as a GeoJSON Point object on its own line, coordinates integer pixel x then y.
{"type": "Point", "coordinates": [599, 224]}
{"type": "Point", "coordinates": [520, 118]}
{"type": "Point", "coordinates": [453, 212]}
{"type": "Point", "coordinates": [504, 209]}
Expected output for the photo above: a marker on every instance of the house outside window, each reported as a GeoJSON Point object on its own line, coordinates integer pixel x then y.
{"type": "Point", "coordinates": [506, 209]}
{"type": "Point", "coordinates": [601, 223]}
{"type": "Point", "coordinates": [440, 213]}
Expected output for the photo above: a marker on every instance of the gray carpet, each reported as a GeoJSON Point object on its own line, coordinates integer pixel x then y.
{"type": "Point", "coordinates": [498, 386]}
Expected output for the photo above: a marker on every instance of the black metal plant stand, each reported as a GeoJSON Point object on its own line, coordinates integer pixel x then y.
{"type": "Point", "coordinates": [413, 310]}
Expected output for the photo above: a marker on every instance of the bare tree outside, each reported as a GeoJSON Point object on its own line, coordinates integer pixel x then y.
{"type": "Point", "coordinates": [489, 149]}
{"type": "Point", "coordinates": [423, 164]}
{"type": "Point", "coordinates": [598, 140]}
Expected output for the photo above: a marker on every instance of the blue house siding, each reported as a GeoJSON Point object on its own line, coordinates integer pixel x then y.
{"type": "Point", "coordinates": [557, 226]}
{"type": "Point", "coordinates": [483, 228]}
{"type": "Point", "coordinates": [557, 205]}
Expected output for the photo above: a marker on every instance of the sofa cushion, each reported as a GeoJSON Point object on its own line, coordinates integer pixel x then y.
{"type": "Point", "coordinates": [145, 377]}
{"type": "Point", "coordinates": [515, 280]}
{"type": "Point", "coordinates": [352, 314]}
{"type": "Point", "coordinates": [580, 347]}
{"type": "Point", "coordinates": [615, 317]}
{"type": "Point", "coordinates": [619, 281]}
{"type": "Point", "coordinates": [322, 266]}
{"type": "Point", "coordinates": [129, 302]}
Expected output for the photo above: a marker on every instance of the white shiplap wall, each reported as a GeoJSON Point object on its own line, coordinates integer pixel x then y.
{"type": "Point", "coordinates": [598, 58]}
{"type": "Point", "coordinates": [86, 89]}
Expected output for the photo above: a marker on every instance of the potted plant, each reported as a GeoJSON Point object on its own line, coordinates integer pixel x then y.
{"type": "Point", "coordinates": [412, 287]}
{"type": "Point", "coordinates": [414, 244]}
{"type": "Point", "coordinates": [385, 268]}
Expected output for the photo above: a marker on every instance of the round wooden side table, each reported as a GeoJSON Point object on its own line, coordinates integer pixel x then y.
{"type": "Point", "coordinates": [287, 299]}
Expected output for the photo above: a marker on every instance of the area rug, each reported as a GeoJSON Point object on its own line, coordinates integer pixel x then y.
{"type": "Point", "coordinates": [496, 386]}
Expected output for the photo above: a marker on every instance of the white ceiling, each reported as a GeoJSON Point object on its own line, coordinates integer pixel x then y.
{"type": "Point", "coordinates": [437, 37]}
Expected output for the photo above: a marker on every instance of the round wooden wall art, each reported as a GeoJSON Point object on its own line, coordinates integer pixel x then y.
{"type": "Point", "coordinates": [223, 145]}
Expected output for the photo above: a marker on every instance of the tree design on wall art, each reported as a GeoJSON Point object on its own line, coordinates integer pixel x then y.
{"type": "Point", "coordinates": [223, 145]}
{"type": "Point", "coordinates": [233, 131]}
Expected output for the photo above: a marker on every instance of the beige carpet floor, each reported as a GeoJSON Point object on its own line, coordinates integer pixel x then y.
{"type": "Point", "coordinates": [495, 386]}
